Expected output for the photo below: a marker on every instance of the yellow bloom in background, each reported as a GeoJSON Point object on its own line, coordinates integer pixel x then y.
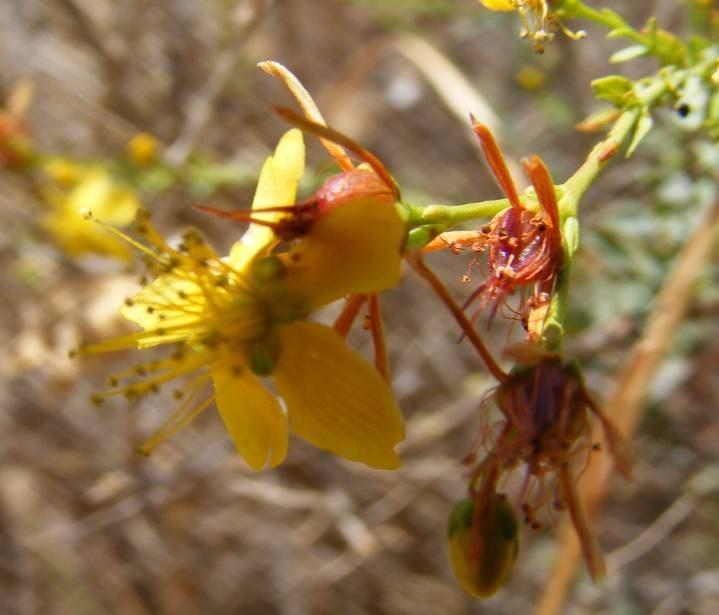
{"type": "Point", "coordinates": [143, 149]}
{"type": "Point", "coordinates": [94, 193]}
{"type": "Point", "coordinates": [500, 5]}
{"type": "Point", "coordinates": [232, 322]}
{"type": "Point", "coordinates": [63, 171]}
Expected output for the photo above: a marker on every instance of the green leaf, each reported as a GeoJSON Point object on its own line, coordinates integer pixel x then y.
{"type": "Point", "coordinates": [570, 233]}
{"type": "Point", "coordinates": [620, 32]}
{"type": "Point", "coordinates": [644, 125]}
{"type": "Point", "coordinates": [614, 89]}
{"type": "Point", "coordinates": [628, 53]}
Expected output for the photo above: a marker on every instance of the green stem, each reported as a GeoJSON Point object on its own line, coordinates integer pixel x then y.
{"type": "Point", "coordinates": [575, 187]}
{"type": "Point", "coordinates": [576, 9]}
{"type": "Point", "coordinates": [449, 215]}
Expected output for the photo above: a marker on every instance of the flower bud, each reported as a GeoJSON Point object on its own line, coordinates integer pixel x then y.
{"type": "Point", "coordinates": [483, 544]}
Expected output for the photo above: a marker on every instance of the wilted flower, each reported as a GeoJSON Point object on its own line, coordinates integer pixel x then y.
{"type": "Point", "coordinates": [538, 20]}
{"type": "Point", "coordinates": [234, 321]}
{"type": "Point", "coordinates": [524, 248]}
{"type": "Point", "coordinates": [545, 428]}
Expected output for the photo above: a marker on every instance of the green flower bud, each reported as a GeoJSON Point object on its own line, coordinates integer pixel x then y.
{"type": "Point", "coordinates": [483, 545]}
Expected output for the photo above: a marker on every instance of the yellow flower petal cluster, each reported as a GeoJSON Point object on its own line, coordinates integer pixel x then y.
{"type": "Point", "coordinates": [238, 323]}
{"type": "Point", "coordinates": [88, 191]}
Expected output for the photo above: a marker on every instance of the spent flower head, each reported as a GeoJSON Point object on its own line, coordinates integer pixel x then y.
{"type": "Point", "coordinates": [234, 321]}
{"type": "Point", "coordinates": [539, 21]}
{"type": "Point", "coordinates": [524, 248]}
{"type": "Point", "coordinates": [545, 429]}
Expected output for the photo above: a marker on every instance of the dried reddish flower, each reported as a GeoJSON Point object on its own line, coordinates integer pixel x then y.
{"type": "Point", "coordinates": [546, 429]}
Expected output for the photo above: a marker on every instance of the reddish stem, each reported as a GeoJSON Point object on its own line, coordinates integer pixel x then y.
{"type": "Point", "coordinates": [468, 329]}
{"type": "Point", "coordinates": [381, 360]}
{"type": "Point", "coordinates": [346, 319]}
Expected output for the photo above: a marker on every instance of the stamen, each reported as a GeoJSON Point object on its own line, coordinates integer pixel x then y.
{"type": "Point", "coordinates": [181, 417]}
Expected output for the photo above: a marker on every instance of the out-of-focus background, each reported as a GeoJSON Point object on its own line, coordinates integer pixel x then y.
{"type": "Point", "coordinates": [87, 526]}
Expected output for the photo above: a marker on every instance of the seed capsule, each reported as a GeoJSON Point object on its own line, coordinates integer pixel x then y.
{"type": "Point", "coordinates": [483, 544]}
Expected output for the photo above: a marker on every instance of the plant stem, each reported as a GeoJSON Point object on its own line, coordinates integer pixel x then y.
{"type": "Point", "coordinates": [449, 215]}
{"type": "Point", "coordinates": [576, 9]}
{"type": "Point", "coordinates": [584, 176]}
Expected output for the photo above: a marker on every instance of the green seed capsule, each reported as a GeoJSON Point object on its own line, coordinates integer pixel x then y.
{"type": "Point", "coordinates": [483, 546]}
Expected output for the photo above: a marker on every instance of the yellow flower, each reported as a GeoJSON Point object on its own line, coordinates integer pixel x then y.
{"type": "Point", "coordinates": [63, 171]}
{"type": "Point", "coordinates": [233, 321]}
{"type": "Point", "coordinates": [143, 148]}
{"type": "Point", "coordinates": [500, 5]}
{"type": "Point", "coordinates": [95, 194]}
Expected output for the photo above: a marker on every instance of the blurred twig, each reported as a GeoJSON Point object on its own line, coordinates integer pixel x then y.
{"type": "Point", "coordinates": [453, 88]}
{"type": "Point", "coordinates": [201, 106]}
{"type": "Point", "coordinates": [699, 486]}
{"type": "Point", "coordinates": [113, 64]}
{"type": "Point", "coordinates": [626, 405]}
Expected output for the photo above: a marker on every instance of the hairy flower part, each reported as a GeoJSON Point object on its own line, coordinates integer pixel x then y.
{"type": "Point", "coordinates": [546, 429]}
{"type": "Point", "coordinates": [81, 192]}
{"type": "Point", "coordinates": [524, 248]}
{"type": "Point", "coordinates": [233, 322]}
{"type": "Point", "coordinates": [483, 543]}
{"type": "Point", "coordinates": [539, 22]}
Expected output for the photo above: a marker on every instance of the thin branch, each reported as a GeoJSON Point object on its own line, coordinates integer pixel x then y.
{"type": "Point", "coordinates": [202, 106]}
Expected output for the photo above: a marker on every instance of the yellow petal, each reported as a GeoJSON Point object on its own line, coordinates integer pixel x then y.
{"type": "Point", "coordinates": [499, 5]}
{"type": "Point", "coordinates": [253, 417]}
{"type": "Point", "coordinates": [97, 193]}
{"type": "Point", "coordinates": [108, 201]}
{"type": "Point", "coordinates": [277, 186]}
{"type": "Point", "coordinates": [355, 248]}
{"type": "Point", "coordinates": [335, 398]}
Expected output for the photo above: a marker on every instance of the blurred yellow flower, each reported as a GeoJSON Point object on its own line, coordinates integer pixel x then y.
{"type": "Point", "coordinates": [95, 194]}
{"type": "Point", "coordinates": [234, 321]}
{"type": "Point", "coordinates": [500, 5]}
{"type": "Point", "coordinates": [63, 171]}
{"type": "Point", "coordinates": [143, 148]}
